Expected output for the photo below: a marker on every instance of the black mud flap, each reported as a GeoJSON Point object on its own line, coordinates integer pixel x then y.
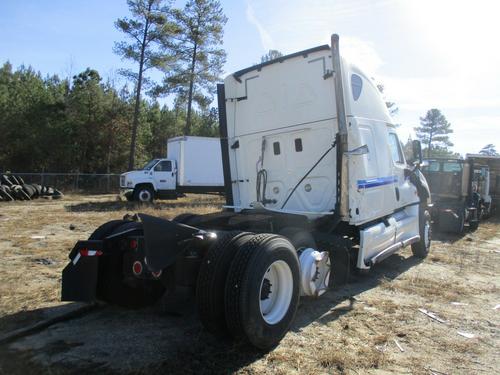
{"type": "Point", "coordinates": [164, 240]}
{"type": "Point", "coordinates": [79, 277]}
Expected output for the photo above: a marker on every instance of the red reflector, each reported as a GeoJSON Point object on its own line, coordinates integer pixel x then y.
{"type": "Point", "coordinates": [90, 253]}
{"type": "Point", "coordinates": [156, 274]}
{"type": "Point", "coordinates": [133, 244]}
{"type": "Point", "coordinates": [137, 268]}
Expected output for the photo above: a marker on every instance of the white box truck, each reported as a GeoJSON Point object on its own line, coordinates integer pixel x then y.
{"type": "Point", "coordinates": [193, 165]}
{"type": "Point", "coordinates": [317, 186]}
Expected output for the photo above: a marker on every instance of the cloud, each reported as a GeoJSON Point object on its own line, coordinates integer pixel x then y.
{"type": "Point", "coordinates": [362, 53]}
{"type": "Point", "coordinates": [265, 37]}
{"type": "Point", "coordinates": [445, 92]}
{"type": "Point", "coordinates": [449, 45]}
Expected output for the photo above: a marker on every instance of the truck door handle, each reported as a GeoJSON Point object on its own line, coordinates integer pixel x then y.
{"type": "Point", "coordinates": [397, 194]}
{"type": "Point", "coordinates": [163, 180]}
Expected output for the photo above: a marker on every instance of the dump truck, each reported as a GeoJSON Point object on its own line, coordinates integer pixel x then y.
{"type": "Point", "coordinates": [492, 162]}
{"type": "Point", "coordinates": [460, 192]}
{"type": "Point", "coordinates": [317, 186]}
{"type": "Point", "coordinates": [193, 165]}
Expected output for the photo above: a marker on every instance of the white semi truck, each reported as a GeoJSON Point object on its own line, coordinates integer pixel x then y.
{"type": "Point", "coordinates": [192, 165]}
{"type": "Point", "coordinates": [317, 187]}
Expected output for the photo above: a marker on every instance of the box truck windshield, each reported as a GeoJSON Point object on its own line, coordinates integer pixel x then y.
{"type": "Point", "coordinates": [150, 165]}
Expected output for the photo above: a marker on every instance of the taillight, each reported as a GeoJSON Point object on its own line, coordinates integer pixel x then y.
{"type": "Point", "coordinates": [133, 244]}
{"type": "Point", "coordinates": [137, 268]}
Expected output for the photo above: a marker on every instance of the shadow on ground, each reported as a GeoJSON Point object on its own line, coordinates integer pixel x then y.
{"type": "Point", "coordinates": [112, 340]}
{"type": "Point", "coordinates": [134, 206]}
{"type": "Point", "coordinates": [450, 237]}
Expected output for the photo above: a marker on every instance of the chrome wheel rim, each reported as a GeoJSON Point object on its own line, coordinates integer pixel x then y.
{"type": "Point", "coordinates": [276, 290]}
{"type": "Point", "coordinates": [144, 196]}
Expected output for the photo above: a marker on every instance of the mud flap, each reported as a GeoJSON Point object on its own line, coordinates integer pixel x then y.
{"type": "Point", "coordinates": [340, 259]}
{"type": "Point", "coordinates": [164, 240]}
{"type": "Point", "coordinates": [79, 281]}
{"type": "Point", "coordinates": [79, 277]}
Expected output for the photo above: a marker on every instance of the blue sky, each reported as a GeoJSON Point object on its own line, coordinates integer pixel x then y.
{"type": "Point", "coordinates": [428, 53]}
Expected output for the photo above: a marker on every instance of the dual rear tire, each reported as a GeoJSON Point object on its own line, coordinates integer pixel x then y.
{"type": "Point", "coordinates": [249, 288]}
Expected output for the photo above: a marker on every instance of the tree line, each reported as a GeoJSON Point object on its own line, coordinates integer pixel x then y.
{"type": "Point", "coordinates": [85, 124]}
{"type": "Point", "coordinates": [90, 125]}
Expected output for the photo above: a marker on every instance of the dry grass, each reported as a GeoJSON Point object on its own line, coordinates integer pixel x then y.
{"type": "Point", "coordinates": [334, 335]}
{"type": "Point", "coordinates": [31, 267]}
{"type": "Point", "coordinates": [444, 289]}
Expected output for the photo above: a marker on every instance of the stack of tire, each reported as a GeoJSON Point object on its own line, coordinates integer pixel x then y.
{"type": "Point", "coordinates": [13, 188]}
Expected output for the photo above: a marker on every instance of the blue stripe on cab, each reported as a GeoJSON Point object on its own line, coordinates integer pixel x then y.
{"type": "Point", "coordinates": [379, 181]}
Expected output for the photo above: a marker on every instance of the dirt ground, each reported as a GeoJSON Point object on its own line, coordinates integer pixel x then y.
{"type": "Point", "coordinates": [371, 326]}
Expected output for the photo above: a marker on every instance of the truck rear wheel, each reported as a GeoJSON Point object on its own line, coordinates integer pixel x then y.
{"type": "Point", "coordinates": [143, 193]}
{"type": "Point", "coordinates": [111, 285]}
{"type": "Point", "coordinates": [474, 218]}
{"type": "Point", "coordinates": [212, 280]}
{"type": "Point", "coordinates": [460, 223]}
{"type": "Point", "coordinates": [262, 290]}
{"type": "Point", "coordinates": [421, 248]}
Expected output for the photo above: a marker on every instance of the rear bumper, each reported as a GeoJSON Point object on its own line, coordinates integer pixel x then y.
{"type": "Point", "coordinates": [164, 241]}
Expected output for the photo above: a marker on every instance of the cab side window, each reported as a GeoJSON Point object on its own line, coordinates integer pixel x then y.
{"type": "Point", "coordinates": [164, 166]}
{"type": "Point", "coordinates": [396, 151]}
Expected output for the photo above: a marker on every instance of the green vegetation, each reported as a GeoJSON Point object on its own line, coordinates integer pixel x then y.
{"type": "Point", "coordinates": [433, 133]}
{"type": "Point", "coordinates": [489, 150]}
{"type": "Point", "coordinates": [149, 32]}
{"type": "Point", "coordinates": [84, 124]}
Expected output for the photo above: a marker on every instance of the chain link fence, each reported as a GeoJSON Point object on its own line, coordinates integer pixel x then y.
{"type": "Point", "coordinates": [75, 182]}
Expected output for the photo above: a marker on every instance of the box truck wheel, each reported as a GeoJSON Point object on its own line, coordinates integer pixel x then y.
{"type": "Point", "coordinates": [212, 280]}
{"type": "Point", "coordinates": [111, 286]}
{"type": "Point", "coordinates": [421, 248]}
{"type": "Point", "coordinates": [262, 290]}
{"type": "Point", "coordinates": [143, 193]}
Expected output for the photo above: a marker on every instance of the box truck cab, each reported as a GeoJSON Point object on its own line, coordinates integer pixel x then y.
{"type": "Point", "coordinates": [192, 165]}
{"type": "Point", "coordinates": [157, 179]}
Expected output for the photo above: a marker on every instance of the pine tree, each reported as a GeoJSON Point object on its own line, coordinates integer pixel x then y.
{"type": "Point", "coordinates": [391, 106]}
{"type": "Point", "coordinates": [199, 56]}
{"type": "Point", "coordinates": [433, 132]}
{"type": "Point", "coordinates": [272, 54]}
{"type": "Point", "coordinates": [149, 31]}
{"type": "Point", "coordinates": [489, 150]}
